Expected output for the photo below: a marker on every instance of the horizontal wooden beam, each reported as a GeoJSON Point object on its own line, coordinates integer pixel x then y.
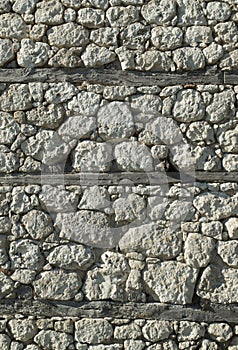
{"type": "Point", "coordinates": [102, 309]}
{"type": "Point", "coordinates": [108, 76]}
{"type": "Point", "coordinates": [231, 78]}
{"type": "Point", "coordinates": [119, 178]}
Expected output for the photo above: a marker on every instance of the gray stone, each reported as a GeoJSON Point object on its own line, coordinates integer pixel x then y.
{"type": "Point", "coordinates": [159, 11]}
{"type": "Point", "coordinates": [135, 35]}
{"type": "Point", "coordinates": [105, 347]}
{"type": "Point", "coordinates": [230, 162]}
{"type": "Point", "coordinates": [50, 116]}
{"type": "Point", "coordinates": [198, 250]}
{"type": "Point", "coordinates": [34, 146]}
{"type": "Point", "coordinates": [155, 331]}
{"type": "Point", "coordinates": [16, 98]}
{"type": "Point", "coordinates": [129, 331]}
{"type": "Point", "coordinates": [218, 11]}
{"type": "Point", "coordinates": [115, 120]}
{"type": "Point", "coordinates": [154, 61]}
{"type": "Point", "coordinates": [68, 35]}
{"type": "Point", "coordinates": [198, 34]}
{"type": "Point", "coordinates": [226, 32]}
{"type": "Point", "coordinates": [166, 344]}
{"type": "Point", "coordinates": [77, 127]}
{"type": "Point", "coordinates": [5, 225]}
{"type": "Point", "coordinates": [232, 227]}
{"type": "Point", "coordinates": [12, 26]}
{"type": "Point", "coordinates": [23, 276]}
{"type": "Point", "coordinates": [75, 4]}
{"type": "Point", "coordinates": [126, 58]}
{"type": "Point", "coordinates": [166, 38]}
{"type": "Point", "coordinates": [57, 200]}
{"type": "Point", "coordinates": [95, 198]}
{"type": "Point", "coordinates": [190, 331]}
{"type": "Point", "coordinates": [85, 103]}
{"type": "Point", "coordinates": [6, 51]}
{"type": "Point", "coordinates": [5, 342]}
{"type": "Point", "coordinates": [60, 92]}
{"type": "Point", "coordinates": [229, 61]}
{"type": "Point", "coordinates": [105, 37]}
{"type": "Point", "coordinates": [24, 6]}
{"type": "Point", "coordinates": [93, 331]}
{"type": "Point", "coordinates": [228, 251]}
{"type": "Point", "coordinates": [102, 4]}
{"type": "Point", "coordinates": [91, 18]}
{"type": "Point", "coordinates": [180, 210]}
{"type": "Point", "coordinates": [188, 106]}
{"type": "Point", "coordinates": [21, 203]}
{"type": "Point", "coordinates": [133, 156]}
{"type": "Point", "coordinates": [92, 156]}
{"type": "Point", "coordinates": [32, 54]}
{"type": "Point", "coordinates": [5, 6]}
{"type": "Point", "coordinates": [3, 250]}
{"type": "Point", "coordinates": [23, 330]}
{"type": "Point", "coordinates": [71, 257]}
{"type": "Point", "coordinates": [129, 208]}
{"type": "Point", "coordinates": [147, 103]}
{"type": "Point", "coordinates": [222, 107]}
{"type": "Point", "coordinates": [212, 229]}
{"type": "Point", "coordinates": [25, 254]}
{"type": "Point", "coordinates": [228, 140]}
{"type": "Point", "coordinates": [221, 332]}
{"type": "Point", "coordinates": [170, 282]}
{"type": "Point", "coordinates": [213, 53]}
{"type": "Point", "coordinates": [57, 285]}
{"type": "Point", "coordinates": [134, 344]}
{"type": "Point", "coordinates": [118, 92]}
{"type": "Point", "coordinates": [119, 16]}
{"type": "Point", "coordinates": [205, 159]}
{"type": "Point", "coordinates": [38, 224]}
{"type": "Point", "coordinates": [97, 56]}
{"type": "Point", "coordinates": [51, 340]}
{"type": "Point", "coordinates": [189, 58]}
{"type": "Point", "coordinates": [49, 12]}
{"type": "Point", "coordinates": [200, 131]}
{"type": "Point", "coordinates": [9, 162]}
{"type": "Point", "coordinates": [69, 58]}
{"type": "Point", "coordinates": [165, 129]}
{"type": "Point", "coordinates": [190, 13]}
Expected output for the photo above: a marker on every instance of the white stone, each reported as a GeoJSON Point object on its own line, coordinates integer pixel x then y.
{"type": "Point", "coordinates": [118, 92]}
{"type": "Point", "coordinates": [5, 6]}
{"type": "Point", "coordinates": [180, 210]}
{"type": "Point", "coordinates": [166, 344]}
{"type": "Point", "coordinates": [198, 34]}
{"type": "Point", "coordinates": [5, 224]}
{"type": "Point", "coordinates": [166, 38]}
{"type": "Point", "coordinates": [155, 331]}
{"type": "Point", "coordinates": [60, 92]}
{"type": "Point", "coordinates": [222, 106]}
{"type": "Point", "coordinates": [69, 58]}
{"type": "Point", "coordinates": [205, 159]}
{"type": "Point", "coordinates": [34, 146]}
{"type": "Point", "coordinates": [38, 224]}
{"type": "Point", "coordinates": [189, 106]}
{"type": "Point", "coordinates": [129, 208]}
{"type": "Point", "coordinates": [85, 103]}
{"type": "Point", "coordinates": [105, 37]}
{"type": "Point", "coordinates": [198, 250]}
{"type": "Point", "coordinates": [49, 116]}
{"type": "Point", "coordinates": [230, 162]}
{"type": "Point", "coordinates": [93, 331]}
{"type": "Point", "coordinates": [230, 60]}
{"type": "Point", "coordinates": [12, 26]}
{"type": "Point", "coordinates": [159, 11]}
{"type": "Point", "coordinates": [77, 127]}
{"type": "Point", "coordinates": [213, 53]}
{"type": "Point", "coordinates": [95, 198]}
{"type": "Point", "coordinates": [9, 162]}
{"type": "Point", "coordinates": [189, 58]}
{"type": "Point", "coordinates": [232, 227]}
{"type": "Point", "coordinates": [24, 6]}
{"type": "Point", "coordinates": [134, 344]}
{"type": "Point", "coordinates": [228, 252]}
{"type": "Point", "coordinates": [91, 18]}
{"type": "Point", "coordinates": [32, 54]}
{"type": "Point", "coordinates": [170, 282]}
{"type": "Point", "coordinates": [228, 140]}
{"type": "Point", "coordinates": [23, 330]}
{"type": "Point", "coordinates": [9, 129]}
{"type": "Point", "coordinates": [5, 342]}
{"type": "Point", "coordinates": [126, 58]}
{"type": "Point", "coordinates": [71, 257]}
{"type": "Point", "coordinates": [102, 4]}
{"type": "Point", "coordinates": [51, 340]}
{"type": "Point", "coordinates": [57, 199]}
{"type": "Point", "coordinates": [135, 35]}
{"type": "Point", "coordinates": [200, 131]}
{"type": "Point", "coordinates": [129, 331]}
{"type": "Point", "coordinates": [49, 12]}
{"type": "Point", "coordinates": [25, 276]}
{"type": "Point", "coordinates": [190, 13]}
{"type": "Point", "coordinates": [119, 16]}
{"type": "Point", "coordinates": [226, 32]}
{"type": "Point", "coordinates": [16, 98]}
{"type": "Point", "coordinates": [133, 156]}
{"type": "Point", "coordinates": [212, 229]}
{"type": "Point", "coordinates": [97, 56]}
{"type": "Point", "coordinates": [146, 103]}
{"type": "Point", "coordinates": [153, 60]}
{"type": "Point", "coordinates": [68, 35]}
{"type": "Point", "coordinates": [221, 332]}
{"type": "Point", "coordinates": [20, 201]}
{"type": "Point", "coordinates": [6, 51]}
{"type": "Point", "coordinates": [188, 331]}
{"type": "Point", "coordinates": [25, 254]}
{"type": "Point", "coordinates": [57, 285]}
{"type": "Point", "coordinates": [75, 4]}
{"type": "Point", "coordinates": [219, 11]}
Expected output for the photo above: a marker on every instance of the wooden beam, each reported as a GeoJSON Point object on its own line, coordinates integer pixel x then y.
{"type": "Point", "coordinates": [231, 78]}
{"type": "Point", "coordinates": [108, 76]}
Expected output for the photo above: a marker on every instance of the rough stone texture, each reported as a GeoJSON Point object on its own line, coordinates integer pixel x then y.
{"type": "Point", "coordinates": [228, 252]}
{"type": "Point", "coordinates": [32, 54]}
{"type": "Point", "coordinates": [85, 331]}
{"type": "Point", "coordinates": [232, 227]}
{"type": "Point", "coordinates": [23, 330]}
{"type": "Point", "coordinates": [26, 254]}
{"type": "Point", "coordinates": [198, 250]}
{"type": "Point", "coordinates": [156, 330]}
{"type": "Point", "coordinates": [96, 56]}
{"type": "Point", "coordinates": [85, 103]}
{"type": "Point", "coordinates": [6, 51]}
{"type": "Point", "coordinates": [49, 339]}
{"type": "Point", "coordinates": [68, 35]}
{"type": "Point", "coordinates": [16, 97]}
{"type": "Point", "coordinates": [189, 106]}
{"type": "Point", "coordinates": [166, 38]}
{"type": "Point", "coordinates": [189, 58]}
{"type": "Point", "coordinates": [221, 108]}
{"type": "Point", "coordinates": [159, 12]}
{"type": "Point", "coordinates": [49, 116]}
{"type": "Point", "coordinates": [38, 224]}
{"type": "Point", "coordinates": [49, 12]}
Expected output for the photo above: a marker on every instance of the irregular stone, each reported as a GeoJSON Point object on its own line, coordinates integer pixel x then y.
{"type": "Point", "coordinates": [154, 61]}
{"type": "Point", "coordinates": [49, 116]}
{"type": "Point", "coordinates": [212, 229]}
{"type": "Point", "coordinates": [198, 34]}
{"type": "Point", "coordinates": [108, 280]}
{"type": "Point", "coordinates": [23, 276]}
{"type": "Point", "coordinates": [34, 146]}
{"type": "Point", "coordinates": [75, 4]}
{"type": "Point", "coordinates": [166, 38]}
{"type": "Point", "coordinates": [38, 224]}
{"type": "Point", "coordinates": [106, 347]}
{"type": "Point", "coordinates": [51, 340]}
{"type": "Point", "coordinates": [198, 250]}
{"type": "Point", "coordinates": [155, 331]}
{"type": "Point", "coordinates": [57, 199]}
{"type": "Point", "coordinates": [69, 58]}
{"type": "Point", "coordinates": [159, 12]}
{"type": "Point", "coordinates": [85, 331]}
{"type": "Point", "coordinates": [129, 208]}
{"type": "Point", "coordinates": [119, 16]}
{"type": "Point", "coordinates": [221, 332]}
{"type": "Point", "coordinates": [97, 56]}
{"type": "Point", "coordinates": [24, 6]}
{"type": "Point", "coordinates": [165, 129]}
{"type": "Point", "coordinates": [126, 58]}
{"type": "Point", "coordinates": [205, 159]}
{"type": "Point", "coordinates": [95, 198]}
{"type": "Point", "coordinates": [68, 35]}
{"type": "Point", "coordinates": [189, 106]}
{"type": "Point", "coordinates": [5, 342]}
{"type": "Point", "coordinates": [32, 54]}
{"type": "Point", "coordinates": [5, 6]}
{"type": "Point", "coordinates": [6, 51]}
{"type": "Point", "coordinates": [146, 238]}
{"type": "Point", "coordinates": [190, 13]}
{"type": "Point", "coordinates": [16, 98]}
{"type": "Point", "coordinates": [57, 285]}
{"type": "Point", "coordinates": [37, 32]}
{"type": "Point", "coordinates": [135, 35]}
{"type": "Point", "coordinates": [105, 37]}
{"type": "Point", "coordinates": [118, 92]}
{"type": "Point", "coordinates": [218, 11]}
{"type": "Point", "coordinates": [3, 250]}
{"type": "Point", "coordinates": [92, 156]}
{"type": "Point", "coordinates": [60, 92]}
{"type": "Point", "coordinates": [230, 162]}
{"type": "Point", "coordinates": [228, 251]}
{"type": "Point", "coordinates": [156, 207]}
{"type": "Point", "coordinates": [49, 12]}
{"type": "Point", "coordinates": [232, 227]}
{"type": "Point", "coordinates": [77, 127]}
{"type": "Point", "coordinates": [9, 162]}
{"type": "Point", "coordinates": [170, 282]}
{"type": "Point", "coordinates": [189, 58]}
{"type": "Point", "coordinates": [218, 285]}
{"type": "Point", "coordinates": [23, 330]}
{"type": "Point", "coordinates": [55, 151]}
{"type": "Point", "coordinates": [91, 18]}
{"type": "Point", "coordinates": [134, 344]}
{"type": "Point", "coordinates": [200, 131]}
{"type": "Point", "coordinates": [190, 331]}
{"type": "Point", "coordinates": [229, 61]}
{"type": "Point", "coordinates": [5, 225]}
{"type": "Point", "coordinates": [71, 257]}
{"type": "Point", "coordinates": [166, 344]}
{"type": "Point", "coordinates": [85, 103]}
{"type": "Point", "coordinates": [25, 254]}
{"type": "Point", "coordinates": [226, 32]}
{"type": "Point", "coordinates": [129, 331]}
{"type": "Point", "coordinates": [20, 201]}
{"type": "Point", "coordinates": [228, 140]}
{"type": "Point", "coordinates": [102, 4]}
{"type": "Point", "coordinates": [179, 211]}
{"type": "Point", "coordinates": [213, 53]}
{"type": "Point", "coordinates": [12, 26]}
{"type": "Point", "coordinates": [133, 156]}
{"type": "Point", "coordinates": [222, 107]}
{"type": "Point", "coordinates": [115, 120]}
{"type": "Point", "coordinates": [146, 103]}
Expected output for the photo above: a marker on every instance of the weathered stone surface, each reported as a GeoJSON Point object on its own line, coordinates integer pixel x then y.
{"type": "Point", "coordinates": [67, 57]}
{"type": "Point", "coordinates": [179, 210]}
{"type": "Point", "coordinates": [95, 198]}
{"type": "Point", "coordinates": [213, 53]}
{"type": "Point", "coordinates": [6, 285]}
{"type": "Point", "coordinates": [222, 107]}
{"type": "Point", "coordinates": [57, 200]}
{"type": "Point", "coordinates": [157, 330]}
{"type": "Point", "coordinates": [77, 127]}
{"type": "Point", "coordinates": [9, 129]}
{"type": "Point", "coordinates": [23, 276]}
{"type": "Point", "coordinates": [85, 103]}
{"type": "Point", "coordinates": [21, 203]}
{"type": "Point", "coordinates": [198, 34]}
{"type": "Point", "coordinates": [126, 58]}
{"type": "Point", "coordinates": [6, 51]}
{"type": "Point", "coordinates": [105, 37]}
{"type": "Point", "coordinates": [5, 6]}
{"type": "Point", "coordinates": [5, 341]}
{"type": "Point", "coordinates": [205, 159]}
{"type": "Point", "coordinates": [57, 285]}
{"type": "Point", "coordinates": [190, 13]}
{"type": "Point", "coordinates": [219, 11]}
{"type": "Point", "coordinates": [218, 285]}
{"type": "Point", "coordinates": [16, 98]}
{"type": "Point", "coordinates": [49, 116]}
{"type": "Point", "coordinates": [135, 36]}
{"type": "Point", "coordinates": [146, 103]}
{"type": "Point", "coordinates": [154, 61]}
{"type": "Point", "coordinates": [60, 92]}
{"type": "Point", "coordinates": [85, 331]}
{"type": "Point", "coordinates": [12, 26]}
{"type": "Point", "coordinates": [134, 344]}
{"type": "Point", "coordinates": [32, 54]}
{"type": "Point", "coordinates": [133, 156]}
{"type": "Point", "coordinates": [189, 106]}
{"type": "Point", "coordinates": [25, 254]}
{"type": "Point", "coordinates": [232, 227]}
{"type": "Point", "coordinates": [221, 332]}
{"type": "Point", "coordinates": [91, 18]}
{"type": "Point", "coordinates": [170, 282]}
{"type": "Point", "coordinates": [228, 252]}
{"type": "Point", "coordinates": [230, 162]}
{"type": "Point", "coordinates": [159, 12]}
{"type": "Point", "coordinates": [68, 35]}
{"type": "Point", "coordinates": [9, 162]}
{"type": "Point", "coordinates": [228, 140]}
{"type": "Point", "coordinates": [212, 229]}
{"type": "Point", "coordinates": [118, 92]}
{"type": "Point", "coordinates": [166, 38]}
{"type": "Point", "coordinates": [189, 58]}
{"type": "Point", "coordinates": [226, 32]}
{"type": "Point", "coordinates": [130, 331]}
{"type": "Point", "coordinates": [51, 340]}
{"type": "Point", "coordinates": [97, 56]}
{"type": "Point", "coordinates": [129, 208]}
{"type": "Point", "coordinates": [119, 16]}
{"type": "Point", "coordinates": [38, 224]}
{"type": "Point", "coordinates": [108, 280]}
{"type": "Point", "coordinates": [5, 224]}
{"type": "Point", "coordinates": [200, 131]}
{"type": "Point", "coordinates": [198, 250]}
{"type": "Point", "coordinates": [115, 120]}
{"type": "Point", "coordinates": [49, 12]}
{"type": "Point", "coordinates": [24, 6]}
{"type": "Point", "coordinates": [23, 330]}
{"type": "Point", "coordinates": [165, 129]}
{"type": "Point", "coordinates": [35, 145]}
{"type": "Point", "coordinates": [188, 331]}
{"type": "Point", "coordinates": [71, 257]}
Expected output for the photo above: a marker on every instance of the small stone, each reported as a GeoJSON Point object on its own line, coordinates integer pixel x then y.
{"type": "Point", "coordinates": [38, 224]}
{"type": "Point", "coordinates": [57, 285]}
{"type": "Point", "coordinates": [230, 60]}
{"type": "Point", "coordinates": [134, 344]}
{"type": "Point", "coordinates": [75, 4]}
{"type": "Point", "coordinates": [6, 51]}
{"type": "Point", "coordinates": [126, 58]}
{"type": "Point", "coordinates": [69, 58]}
{"type": "Point", "coordinates": [189, 58]}
{"type": "Point", "coordinates": [188, 106]}
{"type": "Point", "coordinates": [57, 199]}
{"type": "Point", "coordinates": [9, 162]}
{"type": "Point", "coordinates": [226, 32]}
{"type": "Point", "coordinates": [159, 12]}
{"type": "Point", "coordinates": [5, 6]}
{"type": "Point", "coordinates": [128, 209]}
{"type": "Point", "coordinates": [154, 61]}
{"type": "Point", "coordinates": [12, 26]}
{"type": "Point", "coordinates": [190, 331]}
{"type": "Point", "coordinates": [222, 107]}
{"type": "Point", "coordinates": [24, 6]}
{"type": "Point", "coordinates": [68, 35]}
{"type": "Point", "coordinates": [105, 37]}
{"type": "Point", "coordinates": [228, 140]}
{"type": "Point", "coordinates": [218, 11]}
{"type": "Point", "coordinates": [23, 330]}
{"type": "Point", "coordinates": [77, 127]}
{"type": "Point", "coordinates": [135, 35]}
{"type": "Point", "coordinates": [85, 103]}
{"type": "Point", "coordinates": [212, 229]}
{"type": "Point", "coordinates": [102, 4]}
{"type": "Point", "coordinates": [23, 276]}
{"type": "Point", "coordinates": [25, 254]}
{"type": "Point", "coordinates": [69, 15]}
{"type": "Point", "coordinates": [213, 53]}
{"type": "Point", "coordinates": [130, 331]}
{"type": "Point", "coordinates": [155, 331]}
{"type": "Point", "coordinates": [166, 38]}
{"type": "Point", "coordinates": [5, 225]}
{"type": "Point", "coordinates": [66, 326]}
{"type": "Point", "coordinates": [32, 54]}
{"type": "Point", "coordinates": [9, 129]}
{"type": "Point", "coordinates": [51, 340]}
{"type": "Point", "coordinates": [38, 31]}
{"type": "Point", "coordinates": [95, 198]}
{"type": "Point", "coordinates": [96, 56]}
{"type": "Point", "coordinates": [221, 332]}
{"type": "Point", "coordinates": [50, 116]}
{"type": "Point", "coordinates": [228, 252]}
{"type": "Point", "coordinates": [200, 131]}
{"type": "Point", "coordinates": [164, 129]}
{"type": "Point", "coordinates": [118, 92]}
{"type": "Point", "coordinates": [16, 98]}
{"type": "Point", "coordinates": [198, 34]}
{"type": "Point", "coordinates": [20, 201]}
{"type": "Point", "coordinates": [198, 250]}
{"type": "Point", "coordinates": [91, 18]}
{"type": "Point", "coordinates": [60, 92]}
{"type": "Point", "coordinates": [232, 227]}
{"type": "Point", "coordinates": [85, 331]}
{"type": "Point", "coordinates": [190, 13]}
{"type": "Point", "coordinates": [146, 103]}
{"type": "Point", "coordinates": [230, 162]}
{"type": "Point", "coordinates": [119, 16]}
{"type": "Point", "coordinates": [49, 12]}
{"type": "Point", "coordinates": [5, 342]}
{"type": "Point", "coordinates": [166, 344]}
{"type": "Point", "coordinates": [6, 287]}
